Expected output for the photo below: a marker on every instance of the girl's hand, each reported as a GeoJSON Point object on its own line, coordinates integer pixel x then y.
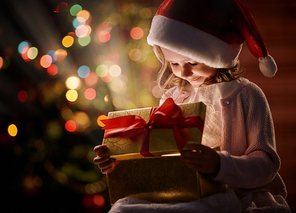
{"type": "Point", "coordinates": [201, 158]}
{"type": "Point", "coordinates": [105, 163]}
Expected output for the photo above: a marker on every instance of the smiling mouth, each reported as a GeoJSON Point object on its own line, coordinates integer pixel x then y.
{"type": "Point", "coordinates": [195, 79]}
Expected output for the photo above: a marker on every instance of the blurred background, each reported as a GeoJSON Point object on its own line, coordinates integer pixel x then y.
{"type": "Point", "coordinates": [65, 64]}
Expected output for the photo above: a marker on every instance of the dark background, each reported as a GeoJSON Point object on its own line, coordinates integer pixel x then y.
{"type": "Point", "coordinates": [48, 169]}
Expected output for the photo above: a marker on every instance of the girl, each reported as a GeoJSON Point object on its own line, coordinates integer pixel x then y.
{"type": "Point", "coordinates": [198, 43]}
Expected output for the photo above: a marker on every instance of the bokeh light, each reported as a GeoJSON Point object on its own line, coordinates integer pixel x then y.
{"type": "Point", "coordinates": [68, 41]}
{"type": "Point", "coordinates": [32, 53]}
{"type": "Point", "coordinates": [72, 95]}
{"type": "Point", "coordinates": [135, 54]}
{"type": "Point", "coordinates": [101, 117]}
{"type": "Point", "coordinates": [23, 45]}
{"type": "Point", "coordinates": [84, 41]}
{"type": "Point", "coordinates": [91, 79]}
{"type": "Point", "coordinates": [77, 23]}
{"type": "Point", "coordinates": [72, 82]}
{"type": "Point", "coordinates": [51, 54]}
{"type": "Point", "coordinates": [75, 9]}
{"type": "Point", "coordinates": [113, 56]}
{"type": "Point", "coordinates": [83, 31]}
{"type": "Point", "coordinates": [83, 15]}
{"type": "Point", "coordinates": [90, 94]}
{"type": "Point", "coordinates": [45, 61]}
{"type": "Point", "coordinates": [12, 130]}
{"type": "Point", "coordinates": [61, 7]}
{"type": "Point", "coordinates": [101, 69]}
{"type": "Point", "coordinates": [137, 33]}
{"type": "Point", "coordinates": [145, 13]}
{"type": "Point", "coordinates": [104, 36]}
{"type": "Point", "coordinates": [71, 126]}
{"type": "Point", "coordinates": [115, 70]}
{"type": "Point", "coordinates": [22, 96]}
{"type": "Point", "coordinates": [83, 71]}
{"type": "Point", "coordinates": [60, 55]}
{"type": "Point", "coordinates": [52, 70]}
{"type": "Point", "coordinates": [1, 62]}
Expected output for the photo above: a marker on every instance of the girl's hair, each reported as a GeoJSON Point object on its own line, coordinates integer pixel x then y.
{"type": "Point", "coordinates": [166, 79]}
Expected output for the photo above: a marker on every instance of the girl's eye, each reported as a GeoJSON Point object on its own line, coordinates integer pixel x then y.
{"type": "Point", "coordinates": [174, 64]}
{"type": "Point", "coordinates": [193, 63]}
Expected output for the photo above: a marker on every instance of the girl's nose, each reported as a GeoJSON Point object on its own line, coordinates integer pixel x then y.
{"type": "Point", "coordinates": [186, 70]}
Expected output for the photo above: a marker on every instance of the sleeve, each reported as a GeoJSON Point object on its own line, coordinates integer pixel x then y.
{"type": "Point", "coordinates": [249, 158]}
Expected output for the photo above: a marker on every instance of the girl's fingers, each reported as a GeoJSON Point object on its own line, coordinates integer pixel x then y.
{"type": "Point", "coordinates": [100, 148]}
{"type": "Point", "coordinates": [98, 159]}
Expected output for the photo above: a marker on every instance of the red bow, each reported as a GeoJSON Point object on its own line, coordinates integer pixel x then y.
{"type": "Point", "coordinates": [168, 115]}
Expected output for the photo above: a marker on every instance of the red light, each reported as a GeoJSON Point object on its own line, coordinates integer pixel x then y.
{"type": "Point", "coordinates": [22, 96]}
{"type": "Point", "coordinates": [71, 126]}
{"type": "Point", "coordinates": [52, 70]}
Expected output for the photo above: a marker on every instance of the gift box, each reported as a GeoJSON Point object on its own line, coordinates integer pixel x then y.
{"type": "Point", "coordinates": [159, 180]}
{"type": "Point", "coordinates": [153, 132]}
{"type": "Point", "coordinates": [142, 140]}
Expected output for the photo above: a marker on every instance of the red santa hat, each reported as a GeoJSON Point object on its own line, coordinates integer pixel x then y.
{"type": "Point", "coordinates": [209, 31]}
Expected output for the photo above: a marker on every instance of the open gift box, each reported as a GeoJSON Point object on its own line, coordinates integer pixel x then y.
{"type": "Point", "coordinates": [147, 169]}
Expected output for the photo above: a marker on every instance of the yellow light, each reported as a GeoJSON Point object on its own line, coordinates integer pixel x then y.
{"type": "Point", "coordinates": [32, 53]}
{"type": "Point", "coordinates": [72, 82]}
{"type": "Point", "coordinates": [1, 62]}
{"type": "Point", "coordinates": [72, 95]}
{"type": "Point", "coordinates": [99, 122]}
{"type": "Point", "coordinates": [60, 55]}
{"type": "Point", "coordinates": [169, 155]}
{"type": "Point", "coordinates": [68, 41]}
{"type": "Point", "coordinates": [12, 130]}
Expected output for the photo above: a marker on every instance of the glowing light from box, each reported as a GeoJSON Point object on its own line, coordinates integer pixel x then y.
{"type": "Point", "coordinates": [32, 53]}
{"type": "Point", "coordinates": [84, 41]}
{"type": "Point", "coordinates": [169, 155]}
{"type": "Point", "coordinates": [12, 130]}
{"type": "Point", "coordinates": [72, 95]}
{"type": "Point", "coordinates": [104, 36]}
{"type": "Point", "coordinates": [90, 94]}
{"type": "Point", "coordinates": [52, 70]}
{"type": "Point", "coordinates": [67, 41]}
{"type": "Point", "coordinates": [45, 61]}
{"type": "Point", "coordinates": [92, 79]}
{"type": "Point", "coordinates": [22, 96]}
{"type": "Point", "coordinates": [99, 122]}
{"type": "Point", "coordinates": [83, 15]}
{"type": "Point", "coordinates": [75, 9]}
{"type": "Point", "coordinates": [72, 82]}
{"type": "Point", "coordinates": [1, 62]}
{"type": "Point", "coordinates": [60, 55]}
{"type": "Point", "coordinates": [115, 70]}
{"type": "Point", "coordinates": [83, 71]}
{"type": "Point", "coordinates": [137, 33]}
{"type": "Point", "coordinates": [135, 54]}
{"type": "Point", "coordinates": [71, 126]}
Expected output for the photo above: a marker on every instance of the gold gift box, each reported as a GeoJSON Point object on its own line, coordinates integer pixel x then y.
{"type": "Point", "coordinates": [159, 180]}
{"type": "Point", "coordinates": [161, 141]}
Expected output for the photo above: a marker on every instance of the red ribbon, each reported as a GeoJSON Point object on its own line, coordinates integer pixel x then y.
{"type": "Point", "coordinates": [168, 115]}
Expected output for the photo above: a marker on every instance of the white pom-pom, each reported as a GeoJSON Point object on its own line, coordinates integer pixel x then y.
{"type": "Point", "coordinates": [267, 66]}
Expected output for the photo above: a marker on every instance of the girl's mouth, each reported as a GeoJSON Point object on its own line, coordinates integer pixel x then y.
{"type": "Point", "coordinates": [197, 79]}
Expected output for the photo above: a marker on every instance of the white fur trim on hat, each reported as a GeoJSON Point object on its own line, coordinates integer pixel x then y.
{"type": "Point", "coordinates": [192, 43]}
{"type": "Point", "coordinates": [267, 66]}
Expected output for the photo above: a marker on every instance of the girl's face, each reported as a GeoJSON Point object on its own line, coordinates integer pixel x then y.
{"type": "Point", "coordinates": [188, 69]}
